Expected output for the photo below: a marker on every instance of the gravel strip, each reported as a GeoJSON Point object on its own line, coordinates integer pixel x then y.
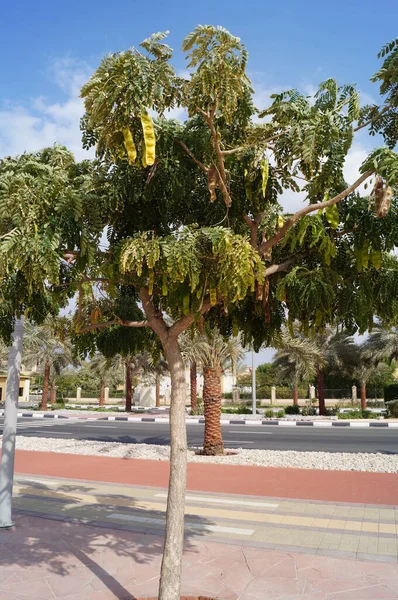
{"type": "Point", "coordinates": [334, 461]}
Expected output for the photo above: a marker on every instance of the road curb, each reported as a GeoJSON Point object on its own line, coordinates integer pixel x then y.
{"type": "Point", "coordinates": [273, 422]}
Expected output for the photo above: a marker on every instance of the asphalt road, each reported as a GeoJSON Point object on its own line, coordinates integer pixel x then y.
{"type": "Point", "coordinates": [333, 439]}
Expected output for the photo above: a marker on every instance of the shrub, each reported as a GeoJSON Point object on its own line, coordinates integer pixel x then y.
{"type": "Point", "coordinates": [242, 409]}
{"type": "Point", "coordinates": [357, 414]}
{"type": "Point", "coordinates": [280, 414]}
{"type": "Point", "coordinates": [269, 413]}
{"type": "Point", "coordinates": [393, 409]}
{"type": "Point", "coordinates": [292, 410]}
{"type": "Point", "coordinates": [391, 392]}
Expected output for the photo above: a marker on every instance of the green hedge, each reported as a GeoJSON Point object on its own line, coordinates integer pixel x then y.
{"type": "Point", "coordinates": [391, 392]}
{"type": "Point", "coordinates": [393, 409]}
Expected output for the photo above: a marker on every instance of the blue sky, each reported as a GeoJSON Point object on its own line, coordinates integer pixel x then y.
{"type": "Point", "coordinates": [50, 48]}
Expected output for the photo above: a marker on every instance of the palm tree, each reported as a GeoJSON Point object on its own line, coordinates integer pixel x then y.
{"type": "Point", "coordinates": [193, 380]}
{"type": "Point", "coordinates": [214, 353]}
{"type": "Point", "coordinates": [48, 346]}
{"type": "Point", "coordinates": [334, 350]}
{"type": "Point", "coordinates": [3, 356]}
{"type": "Point", "coordinates": [296, 359]}
{"type": "Point", "coordinates": [159, 368]}
{"type": "Point", "coordinates": [100, 366]}
{"type": "Point", "coordinates": [382, 345]}
{"type": "Point", "coordinates": [132, 365]}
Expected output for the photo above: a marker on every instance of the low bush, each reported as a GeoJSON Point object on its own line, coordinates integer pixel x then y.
{"type": "Point", "coordinates": [391, 392]}
{"type": "Point", "coordinates": [392, 408]}
{"type": "Point", "coordinates": [269, 413]}
{"type": "Point", "coordinates": [293, 409]}
{"type": "Point", "coordinates": [280, 414]}
{"type": "Point", "coordinates": [357, 414]}
{"type": "Point", "coordinates": [242, 409]}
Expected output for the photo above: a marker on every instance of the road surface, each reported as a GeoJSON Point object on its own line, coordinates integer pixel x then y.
{"type": "Point", "coordinates": [331, 439]}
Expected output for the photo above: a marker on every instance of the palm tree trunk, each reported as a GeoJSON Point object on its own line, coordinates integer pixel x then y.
{"type": "Point", "coordinates": [170, 576]}
{"type": "Point", "coordinates": [102, 393]}
{"type": "Point", "coordinates": [157, 390]}
{"type": "Point", "coordinates": [213, 444]}
{"type": "Point", "coordinates": [363, 395]}
{"type": "Point", "coordinates": [295, 394]}
{"type": "Point", "coordinates": [194, 386]}
{"type": "Point", "coordinates": [321, 390]}
{"type": "Point", "coordinates": [129, 384]}
{"type": "Point", "coordinates": [46, 379]}
{"type": "Point", "coordinates": [53, 394]}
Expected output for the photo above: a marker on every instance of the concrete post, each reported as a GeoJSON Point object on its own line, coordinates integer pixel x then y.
{"type": "Point", "coordinates": [10, 425]}
{"type": "Point", "coordinates": [78, 394]}
{"type": "Point", "coordinates": [106, 395]}
{"type": "Point", "coordinates": [312, 392]}
{"type": "Point", "coordinates": [273, 394]}
{"type": "Point", "coordinates": [354, 394]}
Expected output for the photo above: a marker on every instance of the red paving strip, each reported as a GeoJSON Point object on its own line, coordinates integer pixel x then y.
{"type": "Point", "coordinates": [306, 484]}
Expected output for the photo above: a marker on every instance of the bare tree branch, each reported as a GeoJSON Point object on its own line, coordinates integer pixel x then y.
{"type": "Point", "coordinates": [191, 155]}
{"type": "Point", "coordinates": [279, 268]}
{"type": "Point", "coordinates": [373, 119]}
{"type": "Point", "coordinates": [243, 148]}
{"type": "Point", "coordinates": [267, 245]}
{"type": "Point", "coordinates": [155, 319]}
{"type": "Point", "coordinates": [187, 320]}
{"type": "Point", "coordinates": [114, 322]}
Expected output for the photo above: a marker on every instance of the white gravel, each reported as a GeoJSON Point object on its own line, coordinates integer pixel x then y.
{"type": "Point", "coordinates": [337, 461]}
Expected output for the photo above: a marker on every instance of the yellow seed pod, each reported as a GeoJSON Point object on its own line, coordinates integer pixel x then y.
{"type": "Point", "coordinates": [280, 221]}
{"type": "Point", "coordinates": [265, 174]}
{"type": "Point", "coordinates": [144, 162]}
{"type": "Point", "coordinates": [213, 296]}
{"type": "Point", "coordinates": [149, 137]}
{"type": "Point", "coordinates": [130, 146]}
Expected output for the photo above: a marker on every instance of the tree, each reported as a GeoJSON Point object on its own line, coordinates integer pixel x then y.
{"type": "Point", "coordinates": [327, 263]}
{"type": "Point", "coordinates": [382, 345]}
{"type": "Point", "coordinates": [213, 352]}
{"type": "Point", "coordinates": [47, 346]}
{"type": "Point", "coordinates": [158, 368]}
{"type": "Point", "coordinates": [100, 366]}
{"type": "Point", "coordinates": [132, 365]}
{"type": "Point", "coordinates": [297, 359]}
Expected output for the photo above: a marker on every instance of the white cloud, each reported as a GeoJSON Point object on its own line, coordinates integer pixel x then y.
{"type": "Point", "coordinates": [26, 128]}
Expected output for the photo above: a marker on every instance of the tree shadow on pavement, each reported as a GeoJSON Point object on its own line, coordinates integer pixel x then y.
{"type": "Point", "coordinates": [67, 541]}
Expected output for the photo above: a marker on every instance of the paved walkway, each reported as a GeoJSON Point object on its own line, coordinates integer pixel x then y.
{"type": "Point", "coordinates": [78, 538]}
{"type": "Point", "coordinates": [335, 486]}
{"type": "Point", "coordinates": [343, 530]}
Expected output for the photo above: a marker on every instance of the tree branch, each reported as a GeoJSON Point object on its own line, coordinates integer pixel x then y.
{"type": "Point", "coordinates": [114, 322]}
{"type": "Point", "coordinates": [187, 320]}
{"type": "Point", "coordinates": [191, 155]}
{"type": "Point", "coordinates": [279, 268]}
{"type": "Point", "coordinates": [242, 148]}
{"type": "Point", "coordinates": [155, 319]}
{"type": "Point", "coordinates": [265, 246]}
{"type": "Point", "coordinates": [373, 118]}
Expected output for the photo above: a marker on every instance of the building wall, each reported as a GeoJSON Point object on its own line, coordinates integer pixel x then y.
{"type": "Point", "coordinates": [24, 387]}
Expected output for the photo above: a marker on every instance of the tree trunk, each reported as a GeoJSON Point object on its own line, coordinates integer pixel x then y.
{"type": "Point", "coordinates": [321, 391]}
{"type": "Point", "coordinates": [363, 395]}
{"type": "Point", "coordinates": [102, 393]}
{"type": "Point", "coordinates": [295, 394]}
{"type": "Point", "coordinates": [213, 444]}
{"type": "Point", "coordinates": [194, 386]}
{"type": "Point", "coordinates": [129, 385]}
{"type": "Point", "coordinates": [170, 577]}
{"type": "Point", "coordinates": [46, 378]}
{"type": "Point", "coordinates": [157, 390]}
{"type": "Point", "coordinates": [53, 394]}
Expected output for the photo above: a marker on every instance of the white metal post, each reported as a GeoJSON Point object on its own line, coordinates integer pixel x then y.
{"type": "Point", "coordinates": [254, 408]}
{"type": "Point", "coordinates": [10, 425]}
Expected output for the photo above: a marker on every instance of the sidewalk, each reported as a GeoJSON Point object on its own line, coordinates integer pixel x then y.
{"type": "Point", "coordinates": [91, 528]}
{"type": "Point", "coordinates": [51, 560]}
